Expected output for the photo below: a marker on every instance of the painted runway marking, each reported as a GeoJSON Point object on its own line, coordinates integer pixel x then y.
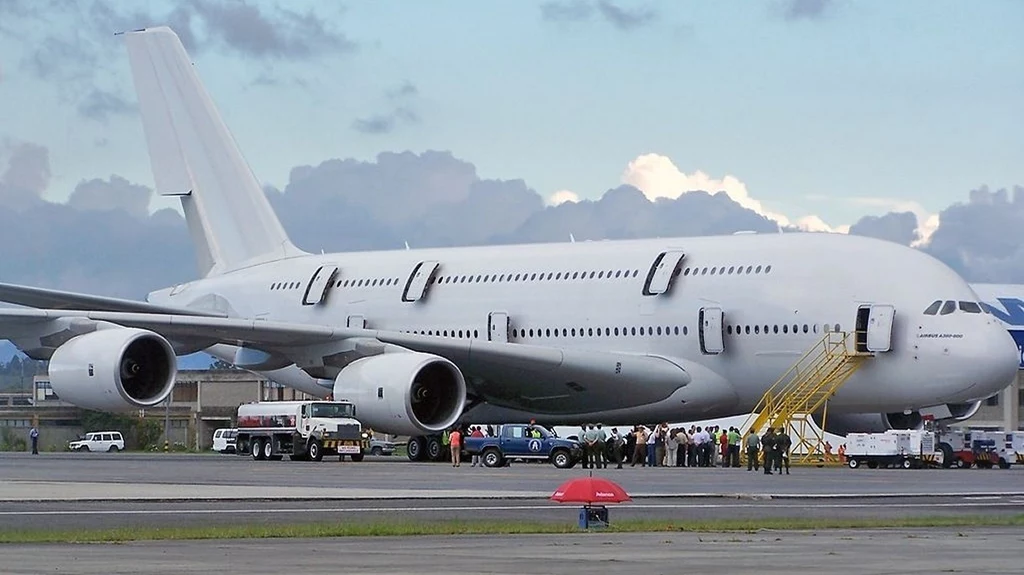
{"type": "Point", "coordinates": [491, 508]}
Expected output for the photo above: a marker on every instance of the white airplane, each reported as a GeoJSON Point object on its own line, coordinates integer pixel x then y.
{"type": "Point", "coordinates": [617, 331]}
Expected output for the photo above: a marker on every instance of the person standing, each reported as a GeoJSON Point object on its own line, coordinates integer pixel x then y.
{"type": "Point", "coordinates": [455, 444]}
{"type": "Point", "coordinates": [753, 443]}
{"type": "Point", "coordinates": [601, 448]}
{"type": "Point", "coordinates": [617, 444]}
{"type": "Point", "coordinates": [477, 432]}
{"type": "Point", "coordinates": [33, 436]}
{"type": "Point", "coordinates": [768, 449]}
{"type": "Point", "coordinates": [590, 447]}
{"type": "Point", "coordinates": [671, 448]}
{"type": "Point", "coordinates": [734, 446]}
{"type": "Point", "coordinates": [783, 442]}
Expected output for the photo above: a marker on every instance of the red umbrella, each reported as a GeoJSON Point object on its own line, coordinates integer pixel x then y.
{"type": "Point", "coordinates": [590, 490]}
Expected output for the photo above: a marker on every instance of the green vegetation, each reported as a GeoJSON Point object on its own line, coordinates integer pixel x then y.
{"type": "Point", "coordinates": [139, 433]}
{"type": "Point", "coordinates": [10, 440]}
{"type": "Point", "coordinates": [406, 528]}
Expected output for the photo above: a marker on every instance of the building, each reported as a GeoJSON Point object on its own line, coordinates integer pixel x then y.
{"type": "Point", "coordinates": [202, 401]}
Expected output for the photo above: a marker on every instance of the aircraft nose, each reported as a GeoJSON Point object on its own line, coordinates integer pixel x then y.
{"type": "Point", "coordinates": [995, 360]}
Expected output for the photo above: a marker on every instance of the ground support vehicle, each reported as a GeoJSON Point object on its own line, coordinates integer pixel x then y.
{"type": "Point", "coordinates": [963, 449]}
{"type": "Point", "coordinates": [1008, 449]}
{"type": "Point", "coordinates": [515, 441]}
{"type": "Point", "coordinates": [303, 430]}
{"type": "Point", "coordinates": [98, 441]}
{"type": "Point", "coordinates": [906, 449]}
{"type": "Point", "coordinates": [224, 440]}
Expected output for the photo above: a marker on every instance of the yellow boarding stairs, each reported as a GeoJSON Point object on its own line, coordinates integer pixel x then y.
{"type": "Point", "coordinates": [804, 390]}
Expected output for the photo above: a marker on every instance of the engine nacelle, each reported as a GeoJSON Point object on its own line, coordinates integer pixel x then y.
{"type": "Point", "coordinates": [406, 393]}
{"type": "Point", "coordinates": [117, 369]}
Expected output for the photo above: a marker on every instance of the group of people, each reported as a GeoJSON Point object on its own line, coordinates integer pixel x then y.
{"type": "Point", "coordinates": [772, 450]}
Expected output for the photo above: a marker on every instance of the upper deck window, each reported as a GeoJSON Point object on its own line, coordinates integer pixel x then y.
{"type": "Point", "coordinates": [934, 308]}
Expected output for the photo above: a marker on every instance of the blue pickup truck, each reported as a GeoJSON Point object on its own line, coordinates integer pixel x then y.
{"type": "Point", "coordinates": [513, 442]}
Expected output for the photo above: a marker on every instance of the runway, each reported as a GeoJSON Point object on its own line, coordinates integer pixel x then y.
{"type": "Point", "coordinates": [861, 552]}
{"type": "Point", "coordinates": [78, 491]}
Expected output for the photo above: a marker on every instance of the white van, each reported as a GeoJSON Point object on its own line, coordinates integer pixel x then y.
{"type": "Point", "coordinates": [224, 440]}
{"type": "Point", "coordinates": [99, 441]}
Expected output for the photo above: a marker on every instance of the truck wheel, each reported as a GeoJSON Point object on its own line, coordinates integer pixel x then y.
{"type": "Point", "coordinates": [256, 447]}
{"type": "Point", "coordinates": [492, 457]}
{"type": "Point", "coordinates": [268, 448]}
{"type": "Point", "coordinates": [357, 457]}
{"type": "Point", "coordinates": [947, 454]}
{"type": "Point", "coordinates": [315, 452]}
{"type": "Point", "coordinates": [959, 463]}
{"type": "Point", "coordinates": [561, 459]}
{"type": "Point", "coordinates": [872, 465]}
{"type": "Point", "coordinates": [1003, 464]}
{"type": "Point", "coordinates": [853, 463]}
{"type": "Point", "coordinates": [435, 449]}
{"type": "Point", "coordinates": [414, 449]}
{"type": "Point", "coordinates": [906, 464]}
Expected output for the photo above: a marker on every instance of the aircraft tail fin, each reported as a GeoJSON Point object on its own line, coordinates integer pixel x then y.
{"type": "Point", "coordinates": [194, 156]}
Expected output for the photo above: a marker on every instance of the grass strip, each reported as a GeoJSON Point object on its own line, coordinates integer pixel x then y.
{"type": "Point", "coordinates": [413, 528]}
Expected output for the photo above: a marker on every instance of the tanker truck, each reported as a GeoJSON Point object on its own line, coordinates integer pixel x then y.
{"type": "Point", "coordinates": [303, 430]}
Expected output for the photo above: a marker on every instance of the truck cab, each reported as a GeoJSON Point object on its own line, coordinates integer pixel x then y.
{"type": "Point", "coordinates": [303, 430]}
{"type": "Point", "coordinates": [524, 441]}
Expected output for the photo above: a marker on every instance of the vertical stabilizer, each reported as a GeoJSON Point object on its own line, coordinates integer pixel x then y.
{"type": "Point", "coordinates": [194, 156]}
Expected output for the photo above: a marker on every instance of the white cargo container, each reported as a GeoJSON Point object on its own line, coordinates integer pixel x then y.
{"type": "Point", "coordinates": [907, 448]}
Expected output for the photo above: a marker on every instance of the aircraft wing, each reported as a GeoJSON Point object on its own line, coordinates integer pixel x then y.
{"type": "Point", "coordinates": [56, 299]}
{"type": "Point", "coordinates": [541, 378]}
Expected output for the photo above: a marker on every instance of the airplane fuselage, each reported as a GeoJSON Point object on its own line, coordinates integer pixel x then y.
{"type": "Point", "coordinates": [779, 294]}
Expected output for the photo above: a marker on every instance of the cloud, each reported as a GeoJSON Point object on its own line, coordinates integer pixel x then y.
{"type": "Point", "coordinates": [116, 193]}
{"type": "Point", "coordinates": [926, 221]}
{"type": "Point", "coordinates": [100, 106]}
{"type": "Point", "coordinates": [571, 11]}
{"type": "Point", "coordinates": [983, 238]}
{"type": "Point", "coordinates": [658, 177]}
{"type": "Point", "coordinates": [806, 9]}
{"type": "Point", "coordinates": [624, 19]}
{"type": "Point", "coordinates": [562, 196]}
{"type": "Point", "coordinates": [245, 29]}
{"type": "Point", "coordinates": [578, 11]}
{"type": "Point", "coordinates": [899, 227]}
{"type": "Point", "coordinates": [401, 114]}
{"type": "Point", "coordinates": [26, 176]}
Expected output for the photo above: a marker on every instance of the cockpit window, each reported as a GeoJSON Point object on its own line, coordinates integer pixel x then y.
{"type": "Point", "coordinates": [948, 308]}
{"type": "Point", "coordinates": [970, 307]}
{"type": "Point", "coordinates": [934, 308]}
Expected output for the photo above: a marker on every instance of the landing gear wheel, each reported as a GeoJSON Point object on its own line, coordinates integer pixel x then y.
{"type": "Point", "coordinates": [435, 449]}
{"type": "Point", "coordinates": [414, 449]}
{"type": "Point", "coordinates": [315, 452]}
{"type": "Point", "coordinates": [357, 457]}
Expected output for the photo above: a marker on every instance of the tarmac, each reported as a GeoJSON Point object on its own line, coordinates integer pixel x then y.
{"type": "Point", "coordinates": [129, 490]}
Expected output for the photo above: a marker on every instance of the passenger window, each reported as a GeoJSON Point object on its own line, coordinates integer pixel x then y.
{"type": "Point", "coordinates": [728, 329]}
{"type": "Point", "coordinates": [749, 269]}
{"type": "Point", "coordinates": [948, 308]}
{"type": "Point", "coordinates": [970, 307]}
{"type": "Point", "coordinates": [805, 328]}
{"type": "Point", "coordinates": [757, 270]}
{"type": "Point", "coordinates": [934, 308]}
{"type": "Point", "coordinates": [785, 329]}
{"type": "Point", "coordinates": [731, 269]}
{"type": "Point", "coordinates": [775, 329]}
{"type": "Point", "coordinates": [767, 269]}
{"type": "Point", "coordinates": [757, 329]}
{"type": "Point", "coordinates": [704, 271]}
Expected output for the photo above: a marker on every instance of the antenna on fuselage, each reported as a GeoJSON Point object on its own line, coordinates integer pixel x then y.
{"type": "Point", "coordinates": [572, 238]}
{"type": "Point", "coordinates": [407, 245]}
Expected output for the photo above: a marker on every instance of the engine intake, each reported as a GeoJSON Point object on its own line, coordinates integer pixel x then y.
{"type": "Point", "coordinates": [116, 369]}
{"type": "Point", "coordinates": [408, 393]}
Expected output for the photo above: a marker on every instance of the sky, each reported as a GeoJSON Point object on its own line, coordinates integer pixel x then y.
{"type": "Point", "coordinates": [372, 124]}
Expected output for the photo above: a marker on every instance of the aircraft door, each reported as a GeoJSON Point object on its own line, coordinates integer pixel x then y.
{"type": "Point", "coordinates": [663, 272]}
{"type": "Point", "coordinates": [319, 284]}
{"type": "Point", "coordinates": [497, 326]}
{"type": "Point", "coordinates": [879, 328]}
{"type": "Point", "coordinates": [419, 279]}
{"type": "Point", "coordinates": [712, 340]}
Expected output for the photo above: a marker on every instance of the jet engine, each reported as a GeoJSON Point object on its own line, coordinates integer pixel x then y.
{"type": "Point", "coordinates": [117, 369]}
{"type": "Point", "coordinates": [407, 393]}
{"type": "Point", "coordinates": [844, 423]}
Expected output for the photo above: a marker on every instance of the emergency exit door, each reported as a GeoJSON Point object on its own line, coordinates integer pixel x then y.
{"type": "Point", "coordinates": [497, 326]}
{"type": "Point", "coordinates": [712, 340]}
